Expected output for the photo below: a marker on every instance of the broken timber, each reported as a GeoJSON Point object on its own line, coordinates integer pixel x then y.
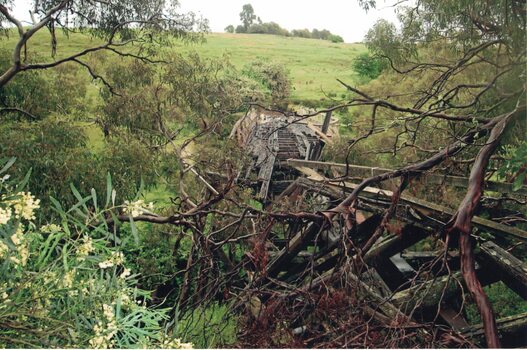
{"type": "Point", "coordinates": [284, 148]}
{"type": "Point", "coordinates": [364, 171]}
{"type": "Point", "coordinates": [271, 138]}
{"type": "Point", "coordinates": [428, 208]}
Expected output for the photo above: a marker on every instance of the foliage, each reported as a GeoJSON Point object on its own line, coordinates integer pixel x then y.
{"type": "Point", "coordinates": [247, 16]}
{"type": "Point", "coordinates": [311, 63]}
{"type": "Point", "coordinates": [368, 66]}
{"type": "Point", "coordinates": [129, 19]}
{"type": "Point", "coordinates": [274, 77]}
{"type": "Point", "coordinates": [188, 92]}
{"type": "Point", "coordinates": [130, 163]}
{"type": "Point", "coordinates": [267, 28]}
{"type": "Point", "coordinates": [42, 93]}
{"type": "Point", "coordinates": [514, 168]}
{"type": "Point", "coordinates": [336, 38]}
{"type": "Point", "coordinates": [64, 285]}
{"type": "Point", "coordinates": [505, 303]}
{"type": "Point", "coordinates": [57, 151]}
{"type": "Point", "coordinates": [229, 29]}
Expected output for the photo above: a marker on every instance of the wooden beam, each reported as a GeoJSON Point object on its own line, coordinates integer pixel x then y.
{"type": "Point", "coordinates": [431, 293]}
{"type": "Point", "coordinates": [427, 207]}
{"type": "Point", "coordinates": [511, 329]}
{"type": "Point", "coordinates": [456, 181]}
{"type": "Point", "coordinates": [511, 269]}
{"type": "Point", "coordinates": [454, 318]}
{"type": "Point", "coordinates": [320, 134]}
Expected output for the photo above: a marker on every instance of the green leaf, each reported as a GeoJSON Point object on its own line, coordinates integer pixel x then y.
{"type": "Point", "coordinates": [108, 189]}
{"type": "Point", "coordinates": [518, 182]}
{"type": "Point", "coordinates": [24, 182]}
{"type": "Point", "coordinates": [134, 231]}
{"type": "Point", "coordinates": [8, 165]}
{"type": "Point", "coordinates": [94, 198]}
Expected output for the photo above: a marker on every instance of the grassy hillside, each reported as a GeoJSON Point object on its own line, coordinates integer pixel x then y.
{"type": "Point", "coordinates": [313, 64]}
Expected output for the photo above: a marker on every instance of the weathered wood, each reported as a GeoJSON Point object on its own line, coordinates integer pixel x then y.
{"type": "Point", "coordinates": [395, 243]}
{"type": "Point", "coordinates": [511, 269]}
{"type": "Point", "coordinates": [454, 318]}
{"type": "Point", "coordinates": [426, 256]}
{"type": "Point", "coordinates": [299, 241]}
{"type": "Point", "coordinates": [428, 208]}
{"type": "Point", "coordinates": [512, 331]}
{"type": "Point", "coordinates": [456, 181]}
{"type": "Point", "coordinates": [327, 120]}
{"type": "Point", "coordinates": [389, 272]}
{"type": "Point", "coordinates": [429, 294]}
{"type": "Point", "coordinates": [319, 133]}
{"type": "Point", "coordinates": [373, 279]}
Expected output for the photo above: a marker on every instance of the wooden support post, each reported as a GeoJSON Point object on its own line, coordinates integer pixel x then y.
{"type": "Point", "coordinates": [396, 243]}
{"type": "Point", "coordinates": [327, 120]}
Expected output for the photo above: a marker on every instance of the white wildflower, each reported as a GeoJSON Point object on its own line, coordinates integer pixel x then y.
{"type": "Point", "coordinates": [138, 207]}
{"type": "Point", "coordinates": [5, 215]}
{"type": "Point", "coordinates": [3, 248]}
{"type": "Point", "coordinates": [17, 237]}
{"type": "Point", "coordinates": [105, 264]}
{"type": "Point", "coordinates": [85, 249]}
{"type": "Point", "coordinates": [25, 205]}
{"type": "Point", "coordinates": [68, 279]}
{"type": "Point", "coordinates": [108, 312]}
{"type": "Point", "coordinates": [104, 334]}
{"type": "Point", "coordinates": [116, 259]}
{"type": "Point", "coordinates": [126, 272]}
{"type": "Point", "coordinates": [24, 254]}
{"type": "Point", "coordinates": [176, 344]}
{"type": "Point", "coordinates": [51, 228]}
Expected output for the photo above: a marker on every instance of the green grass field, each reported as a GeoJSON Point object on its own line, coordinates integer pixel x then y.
{"type": "Point", "coordinates": [314, 65]}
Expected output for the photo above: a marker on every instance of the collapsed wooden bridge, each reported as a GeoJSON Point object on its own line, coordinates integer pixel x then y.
{"type": "Point", "coordinates": [399, 281]}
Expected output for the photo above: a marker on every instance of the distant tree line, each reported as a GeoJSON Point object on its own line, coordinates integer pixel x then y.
{"type": "Point", "coordinates": [252, 24]}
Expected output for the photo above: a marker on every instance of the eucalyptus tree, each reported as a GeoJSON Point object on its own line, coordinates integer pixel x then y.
{"type": "Point", "coordinates": [471, 60]}
{"type": "Point", "coordinates": [124, 27]}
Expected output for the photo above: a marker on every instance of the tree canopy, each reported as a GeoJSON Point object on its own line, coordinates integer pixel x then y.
{"type": "Point", "coordinates": [142, 24]}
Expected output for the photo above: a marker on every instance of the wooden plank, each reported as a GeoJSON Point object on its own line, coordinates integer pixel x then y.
{"type": "Point", "coordinates": [319, 133]}
{"type": "Point", "coordinates": [456, 181]}
{"type": "Point", "coordinates": [511, 269]}
{"type": "Point", "coordinates": [327, 120]}
{"type": "Point", "coordinates": [266, 171]}
{"type": "Point", "coordinates": [296, 244]}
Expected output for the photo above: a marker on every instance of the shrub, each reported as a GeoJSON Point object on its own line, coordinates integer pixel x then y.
{"type": "Point", "coordinates": [42, 93]}
{"type": "Point", "coordinates": [275, 78]}
{"type": "Point", "coordinates": [368, 66]}
{"type": "Point", "coordinates": [56, 149]}
{"type": "Point", "coordinates": [68, 284]}
{"type": "Point", "coordinates": [336, 38]}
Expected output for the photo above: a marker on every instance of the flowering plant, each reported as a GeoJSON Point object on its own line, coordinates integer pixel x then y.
{"type": "Point", "coordinates": [64, 285]}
